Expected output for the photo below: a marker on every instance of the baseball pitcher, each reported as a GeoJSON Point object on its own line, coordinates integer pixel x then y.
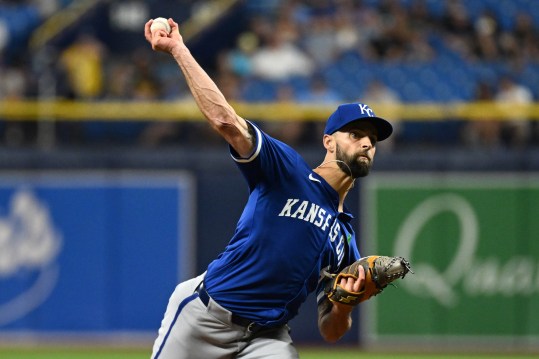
{"type": "Point", "coordinates": [293, 238]}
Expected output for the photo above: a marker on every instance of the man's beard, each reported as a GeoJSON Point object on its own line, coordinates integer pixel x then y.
{"type": "Point", "coordinates": [352, 165]}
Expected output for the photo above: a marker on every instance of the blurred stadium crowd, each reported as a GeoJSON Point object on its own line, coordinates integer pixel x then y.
{"type": "Point", "coordinates": [317, 51]}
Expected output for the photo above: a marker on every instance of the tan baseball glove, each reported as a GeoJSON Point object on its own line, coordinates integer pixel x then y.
{"type": "Point", "coordinates": [379, 272]}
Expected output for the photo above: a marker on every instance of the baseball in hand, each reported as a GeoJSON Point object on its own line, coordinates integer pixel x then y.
{"type": "Point", "coordinates": [160, 23]}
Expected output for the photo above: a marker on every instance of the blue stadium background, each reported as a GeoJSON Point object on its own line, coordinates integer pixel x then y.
{"type": "Point", "coordinates": [421, 145]}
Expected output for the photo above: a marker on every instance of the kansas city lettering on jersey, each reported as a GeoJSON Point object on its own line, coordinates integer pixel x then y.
{"type": "Point", "coordinates": [335, 233]}
{"type": "Point", "coordinates": [313, 213]}
{"type": "Point", "coordinates": [307, 211]}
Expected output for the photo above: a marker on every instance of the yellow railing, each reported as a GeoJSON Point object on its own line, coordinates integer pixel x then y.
{"type": "Point", "coordinates": [187, 111]}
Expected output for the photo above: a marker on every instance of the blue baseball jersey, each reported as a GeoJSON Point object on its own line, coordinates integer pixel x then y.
{"type": "Point", "coordinates": [290, 229]}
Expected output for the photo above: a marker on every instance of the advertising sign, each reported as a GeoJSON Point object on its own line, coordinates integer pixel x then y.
{"type": "Point", "coordinates": [92, 251]}
{"type": "Point", "coordinates": [473, 242]}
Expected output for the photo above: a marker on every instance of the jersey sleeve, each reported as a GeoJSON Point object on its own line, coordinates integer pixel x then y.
{"type": "Point", "coordinates": [271, 160]}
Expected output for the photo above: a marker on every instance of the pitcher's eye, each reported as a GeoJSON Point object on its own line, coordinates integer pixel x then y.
{"type": "Point", "coordinates": [356, 135]}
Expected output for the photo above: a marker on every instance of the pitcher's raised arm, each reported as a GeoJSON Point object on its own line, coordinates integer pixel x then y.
{"type": "Point", "coordinates": [210, 100]}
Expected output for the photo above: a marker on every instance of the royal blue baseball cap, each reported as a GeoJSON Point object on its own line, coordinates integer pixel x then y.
{"type": "Point", "coordinates": [351, 112]}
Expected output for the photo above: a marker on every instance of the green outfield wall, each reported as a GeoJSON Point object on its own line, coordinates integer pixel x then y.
{"type": "Point", "coordinates": [473, 241]}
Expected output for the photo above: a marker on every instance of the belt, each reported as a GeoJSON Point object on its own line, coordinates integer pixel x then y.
{"type": "Point", "coordinates": [252, 327]}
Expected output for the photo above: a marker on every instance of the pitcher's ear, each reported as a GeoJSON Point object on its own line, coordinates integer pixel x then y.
{"type": "Point", "coordinates": [329, 143]}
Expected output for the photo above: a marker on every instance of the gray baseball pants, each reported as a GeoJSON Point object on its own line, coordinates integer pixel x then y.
{"type": "Point", "coordinates": [190, 329]}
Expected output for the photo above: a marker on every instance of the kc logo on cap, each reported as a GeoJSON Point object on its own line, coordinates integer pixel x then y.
{"type": "Point", "coordinates": [351, 112]}
{"type": "Point", "coordinates": [366, 109]}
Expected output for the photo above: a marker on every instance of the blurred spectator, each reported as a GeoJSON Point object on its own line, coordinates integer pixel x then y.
{"type": "Point", "coordinates": [517, 129]}
{"type": "Point", "coordinates": [298, 11]}
{"type": "Point", "coordinates": [318, 92]}
{"type": "Point", "coordinates": [238, 60]}
{"type": "Point", "coordinates": [380, 96]}
{"type": "Point", "coordinates": [289, 20]}
{"type": "Point", "coordinates": [229, 84]}
{"type": "Point", "coordinates": [399, 38]}
{"type": "Point", "coordinates": [83, 61]}
{"type": "Point", "coordinates": [420, 17]}
{"type": "Point", "coordinates": [261, 27]}
{"type": "Point", "coordinates": [319, 40]}
{"type": "Point", "coordinates": [526, 35]}
{"type": "Point", "coordinates": [378, 92]}
{"type": "Point", "coordinates": [280, 60]}
{"type": "Point", "coordinates": [525, 30]}
{"type": "Point", "coordinates": [145, 83]}
{"type": "Point", "coordinates": [13, 84]}
{"type": "Point", "coordinates": [393, 43]}
{"type": "Point", "coordinates": [484, 132]}
{"type": "Point", "coordinates": [419, 49]}
{"type": "Point", "coordinates": [486, 36]}
{"type": "Point", "coordinates": [291, 132]}
{"type": "Point", "coordinates": [372, 27]}
{"type": "Point", "coordinates": [347, 34]}
{"type": "Point", "coordinates": [119, 84]}
{"type": "Point", "coordinates": [457, 27]}
{"type": "Point", "coordinates": [146, 87]}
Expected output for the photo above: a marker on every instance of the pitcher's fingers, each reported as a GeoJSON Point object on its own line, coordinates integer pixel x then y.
{"type": "Point", "coordinates": [173, 25]}
{"type": "Point", "coordinates": [147, 31]}
{"type": "Point", "coordinates": [175, 30]}
{"type": "Point", "coordinates": [347, 283]}
{"type": "Point", "coordinates": [358, 284]}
